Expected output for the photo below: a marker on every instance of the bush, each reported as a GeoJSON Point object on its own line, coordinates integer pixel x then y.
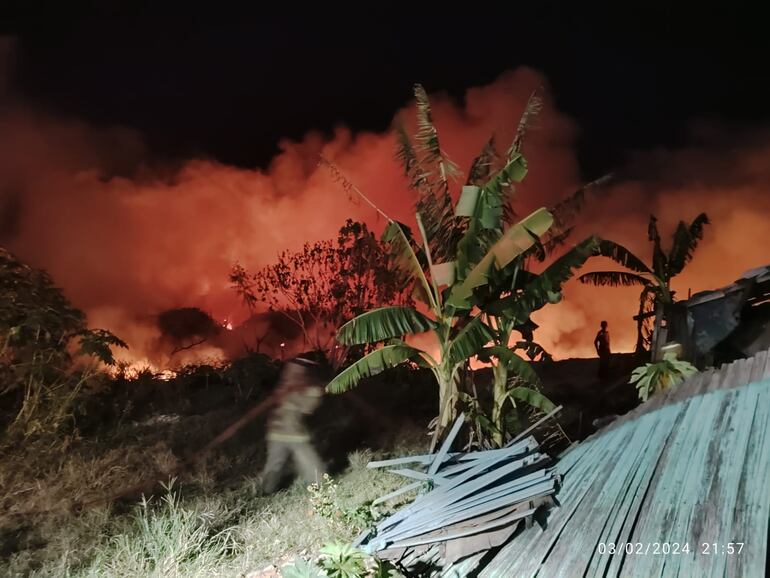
{"type": "Point", "coordinates": [653, 377]}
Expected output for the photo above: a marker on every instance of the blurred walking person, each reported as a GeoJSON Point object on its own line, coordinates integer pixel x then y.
{"type": "Point", "coordinates": [301, 389]}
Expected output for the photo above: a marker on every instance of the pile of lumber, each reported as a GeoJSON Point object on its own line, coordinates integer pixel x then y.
{"type": "Point", "coordinates": [466, 502]}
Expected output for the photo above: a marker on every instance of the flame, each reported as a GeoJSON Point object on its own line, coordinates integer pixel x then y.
{"type": "Point", "coordinates": [134, 369]}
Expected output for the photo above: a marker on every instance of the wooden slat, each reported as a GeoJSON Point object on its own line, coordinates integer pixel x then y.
{"type": "Point", "coordinates": [524, 556]}
{"type": "Point", "coordinates": [604, 496]}
{"type": "Point", "coordinates": [622, 518]}
{"type": "Point", "coordinates": [442, 453]}
{"type": "Point", "coordinates": [398, 492]}
{"type": "Point", "coordinates": [752, 507]}
{"type": "Point", "coordinates": [758, 366]}
{"type": "Point", "coordinates": [673, 490]}
{"type": "Point", "coordinates": [695, 469]}
{"type": "Point", "coordinates": [767, 367]}
{"type": "Point", "coordinates": [711, 521]}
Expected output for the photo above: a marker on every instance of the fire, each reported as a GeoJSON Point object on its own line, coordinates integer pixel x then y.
{"type": "Point", "coordinates": [132, 370]}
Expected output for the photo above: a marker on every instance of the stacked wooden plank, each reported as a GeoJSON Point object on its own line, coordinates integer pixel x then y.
{"type": "Point", "coordinates": [471, 501]}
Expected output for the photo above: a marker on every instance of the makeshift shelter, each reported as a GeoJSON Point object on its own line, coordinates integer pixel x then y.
{"type": "Point", "coordinates": [723, 324]}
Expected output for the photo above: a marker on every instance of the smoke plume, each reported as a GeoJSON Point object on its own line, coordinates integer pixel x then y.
{"type": "Point", "coordinates": [127, 242]}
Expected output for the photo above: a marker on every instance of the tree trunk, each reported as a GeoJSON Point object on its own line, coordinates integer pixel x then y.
{"type": "Point", "coordinates": [448, 390]}
{"type": "Point", "coordinates": [500, 372]}
{"type": "Point", "coordinates": [659, 334]}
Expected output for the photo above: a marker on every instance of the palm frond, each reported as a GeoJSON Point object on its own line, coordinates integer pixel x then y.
{"type": "Point", "coordinates": [659, 261]}
{"type": "Point", "coordinates": [374, 363]}
{"type": "Point", "coordinates": [531, 110]}
{"type": "Point", "coordinates": [469, 340]}
{"type": "Point", "coordinates": [613, 279]}
{"type": "Point", "coordinates": [623, 256]}
{"type": "Point", "coordinates": [685, 242]}
{"type": "Point", "coordinates": [546, 287]}
{"type": "Point", "coordinates": [383, 323]}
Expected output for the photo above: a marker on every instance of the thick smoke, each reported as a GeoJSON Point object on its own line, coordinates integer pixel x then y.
{"type": "Point", "coordinates": [125, 248]}
{"type": "Point", "coordinates": [725, 173]}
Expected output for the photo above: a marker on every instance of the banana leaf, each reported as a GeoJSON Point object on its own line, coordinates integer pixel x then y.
{"type": "Point", "coordinates": [408, 260]}
{"type": "Point", "coordinates": [374, 363]}
{"type": "Point", "coordinates": [546, 287]}
{"type": "Point", "coordinates": [466, 204]}
{"type": "Point", "coordinates": [515, 364]}
{"type": "Point", "coordinates": [469, 340]}
{"type": "Point", "coordinates": [443, 273]}
{"type": "Point", "coordinates": [383, 323]}
{"type": "Point", "coordinates": [531, 397]}
{"type": "Point", "coordinates": [515, 241]}
{"type": "Point", "coordinates": [532, 350]}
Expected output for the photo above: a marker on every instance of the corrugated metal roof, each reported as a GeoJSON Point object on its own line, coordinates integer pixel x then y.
{"type": "Point", "coordinates": [689, 470]}
{"type": "Point", "coordinates": [757, 275]}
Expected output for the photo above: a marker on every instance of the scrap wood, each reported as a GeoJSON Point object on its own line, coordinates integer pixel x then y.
{"type": "Point", "coordinates": [473, 501]}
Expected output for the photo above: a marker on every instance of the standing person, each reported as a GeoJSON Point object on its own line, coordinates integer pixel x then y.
{"type": "Point", "coordinates": [602, 345]}
{"type": "Point", "coordinates": [301, 388]}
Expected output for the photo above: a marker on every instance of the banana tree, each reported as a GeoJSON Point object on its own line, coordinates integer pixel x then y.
{"type": "Point", "coordinates": [459, 333]}
{"type": "Point", "coordinates": [462, 247]}
{"type": "Point", "coordinates": [655, 280]}
{"type": "Point", "coordinates": [507, 300]}
{"type": "Point", "coordinates": [515, 297]}
{"type": "Point", "coordinates": [508, 295]}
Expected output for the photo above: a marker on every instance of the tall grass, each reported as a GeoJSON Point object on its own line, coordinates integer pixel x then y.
{"type": "Point", "coordinates": [191, 532]}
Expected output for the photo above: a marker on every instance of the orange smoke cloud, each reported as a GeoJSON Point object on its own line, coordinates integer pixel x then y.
{"type": "Point", "coordinates": [126, 248]}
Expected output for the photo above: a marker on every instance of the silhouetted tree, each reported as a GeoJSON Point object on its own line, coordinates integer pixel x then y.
{"type": "Point", "coordinates": [39, 377]}
{"type": "Point", "coordinates": [655, 280]}
{"type": "Point", "coordinates": [186, 327]}
{"type": "Point", "coordinates": [326, 284]}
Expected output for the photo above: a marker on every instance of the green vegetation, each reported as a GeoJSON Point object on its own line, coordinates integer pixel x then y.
{"type": "Point", "coordinates": [651, 378]}
{"type": "Point", "coordinates": [47, 353]}
{"type": "Point", "coordinates": [213, 523]}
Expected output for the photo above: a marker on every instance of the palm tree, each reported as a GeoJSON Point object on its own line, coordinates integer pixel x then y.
{"type": "Point", "coordinates": [655, 280]}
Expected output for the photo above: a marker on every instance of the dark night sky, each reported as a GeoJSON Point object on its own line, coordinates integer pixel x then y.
{"type": "Point", "coordinates": [231, 85]}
